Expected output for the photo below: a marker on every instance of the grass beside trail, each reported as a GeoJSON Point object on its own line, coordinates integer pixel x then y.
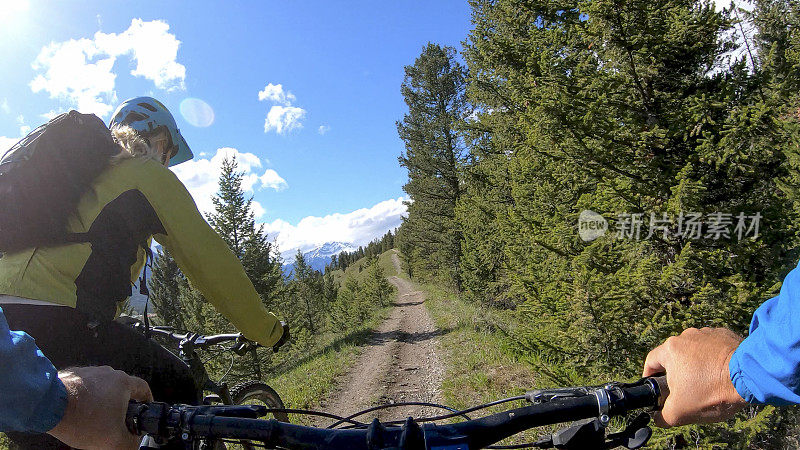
{"type": "Point", "coordinates": [314, 377]}
{"type": "Point", "coordinates": [479, 365]}
{"type": "Point", "coordinates": [355, 269]}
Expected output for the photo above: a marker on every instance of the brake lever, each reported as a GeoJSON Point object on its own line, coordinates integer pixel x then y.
{"type": "Point", "coordinates": [539, 396]}
{"type": "Point", "coordinates": [238, 411]}
{"type": "Point", "coordinates": [634, 436]}
{"type": "Point", "coordinates": [591, 433]}
{"type": "Point", "coordinates": [242, 346]}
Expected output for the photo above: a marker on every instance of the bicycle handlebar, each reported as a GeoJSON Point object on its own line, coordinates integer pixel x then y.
{"type": "Point", "coordinates": [550, 407]}
{"type": "Point", "coordinates": [199, 340]}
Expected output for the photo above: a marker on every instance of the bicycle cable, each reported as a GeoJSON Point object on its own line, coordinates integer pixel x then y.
{"type": "Point", "coordinates": [308, 412]}
{"type": "Point", "coordinates": [395, 405]}
{"type": "Point", "coordinates": [497, 447]}
{"type": "Point", "coordinates": [356, 424]}
{"type": "Point", "coordinates": [462, 412]}
{"type": "Point", "coordinates": [455, 413]}
{"type": "Point", "coordinates": [233, 361]}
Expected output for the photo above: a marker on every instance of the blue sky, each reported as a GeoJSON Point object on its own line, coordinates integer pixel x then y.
{"type": "Point", "coordinates": [305, 94]}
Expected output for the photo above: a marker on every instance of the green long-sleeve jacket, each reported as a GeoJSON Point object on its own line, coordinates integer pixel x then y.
{"type": "Point", "coordinates": [128, 204]}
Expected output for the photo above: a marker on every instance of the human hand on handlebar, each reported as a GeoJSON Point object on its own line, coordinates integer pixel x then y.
{"type": "Point", "coordinates": [97, 402]}
{"type": "Point", "coordinates": [284, 337]}
{"type": "Point", "coordinates": [696, 364]}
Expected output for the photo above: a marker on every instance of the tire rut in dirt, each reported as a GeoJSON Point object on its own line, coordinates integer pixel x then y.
{"type": "Point", "coordinates": [399, 364]}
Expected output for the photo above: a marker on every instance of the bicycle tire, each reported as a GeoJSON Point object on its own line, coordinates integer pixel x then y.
{"type": "Point", "coordinates": [259, 391]}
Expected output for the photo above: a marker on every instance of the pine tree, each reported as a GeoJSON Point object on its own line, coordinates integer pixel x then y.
{"type": "Point", "coordinates": [376, 289]}
{"type": "Point", "coordinates": [164, 285]}
{"type": "Point", "coordinates": [306, 289]}
{"type": "Point", "coordinates": [433, 90]}
{"type": "Point", "coordinates": [627, 107]}
{"type": "Point", "coordinates": [234, 220]}
{"type": "Point", "coordinates": [330, 288]}
{"type": "Point", "coordinates": [180, 305]}
{"type": "Point", "coordinates": [233, 216]}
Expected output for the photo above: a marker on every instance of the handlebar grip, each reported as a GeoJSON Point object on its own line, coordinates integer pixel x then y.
{"type": "Point", "coordinates": [132, 416]}
{"type": "Point", "coordinates": [146, 418]}
{"type": "Point", "coordinates": [663, 389]}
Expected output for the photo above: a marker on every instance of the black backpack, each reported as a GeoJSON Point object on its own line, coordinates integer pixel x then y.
{"type": "Point", "coordinates": [43, 176]}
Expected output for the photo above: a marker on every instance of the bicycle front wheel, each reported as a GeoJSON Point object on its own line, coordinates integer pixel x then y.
{"type": "Point", "coordinates": [258, 393]}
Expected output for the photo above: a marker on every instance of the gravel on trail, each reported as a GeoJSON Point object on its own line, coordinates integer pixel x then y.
{"type": "Point", "coordinates": [398, 364]}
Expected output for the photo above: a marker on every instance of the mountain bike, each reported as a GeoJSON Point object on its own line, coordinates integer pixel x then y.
{"type": "Point", "coordinates": [253, 392]}
{"type": "Point", "coordinates": [591, 407]}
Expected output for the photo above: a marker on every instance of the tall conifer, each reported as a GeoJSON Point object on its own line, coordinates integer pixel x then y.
{"type": "Point", "coordinates": [433, 90]}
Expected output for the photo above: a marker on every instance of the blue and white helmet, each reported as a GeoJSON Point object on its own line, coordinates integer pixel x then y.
{"type": "Point", "coordinates": [146, 115]}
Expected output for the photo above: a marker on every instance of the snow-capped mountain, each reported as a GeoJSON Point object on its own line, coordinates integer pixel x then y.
{"type": "Point", "coordinates": [318, 257]}
{"type": "Point", "coordinates": [138, 300]}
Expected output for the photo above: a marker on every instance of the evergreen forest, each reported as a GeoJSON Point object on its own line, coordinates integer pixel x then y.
{"type": "Point", "coordinates": [674, 125]}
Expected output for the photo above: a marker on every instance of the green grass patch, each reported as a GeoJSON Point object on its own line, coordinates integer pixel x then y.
{"type": "Point", "coordinates": [311, 379]}
{"type": "Point", "coordinates": [480, 366]}
{"type": "Point", "coordinates": [385, 261]}
{"type": "Point", "coordinates": [356, 269]}
{"type": "Point", "coordinates": [304, 382]}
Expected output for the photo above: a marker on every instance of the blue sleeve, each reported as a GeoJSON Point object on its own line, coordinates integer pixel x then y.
{"type": "Point", "coordinates": [765, 368]}
{"type": "Point", "coordinates": [32, 398]}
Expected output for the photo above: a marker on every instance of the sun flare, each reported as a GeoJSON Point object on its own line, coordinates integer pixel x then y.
{"type": "Point", "coordinates": [10, 9]}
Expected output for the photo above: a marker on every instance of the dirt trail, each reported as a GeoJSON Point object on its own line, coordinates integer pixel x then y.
{"type": "Point", "coordinates": [399, 363]}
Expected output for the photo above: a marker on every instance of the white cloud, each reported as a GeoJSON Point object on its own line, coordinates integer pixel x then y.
{"type": "Point", "coordinates": [6, 143]}
{"type": "Point", "coordinates": [275, 93]}
{"type": "Point", "coordinates": [284, 119]}
{"type": "Point", "coordinates": [4, 106]}
{"type": "Point", "coordinates": [81, 71]}
{"type": "Point", "coordinates": [272, 180]}
{"type": "Point", "coordinates": [154, 49]}
{"type": "Point", "coordinates": [23, 129]}
{"type": "Point", "coordinates": [9, 8]}
{"type": "Point", "coordinates": [201, 177]}
{"type": "Point", "coordinates": [249, 180]}
{"type": "Point", "coordinates": [72, 73]}
{"type": "Point", "coordinates": [323, 129]}
{"type": "Point", "coordinates": [258, 210]}
{"type": "Point", "coordinates": [50, 115]}
{"type": "Point", "coordinates": [357, 227]}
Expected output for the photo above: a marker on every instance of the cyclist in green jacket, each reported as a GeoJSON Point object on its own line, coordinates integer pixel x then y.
{"type": "Point", "coordinates": [66, 297]}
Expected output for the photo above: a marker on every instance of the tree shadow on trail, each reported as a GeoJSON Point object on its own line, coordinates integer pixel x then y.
{"type": "Point", "coordinates": [408, 303]}
{"type": "Point", "coordinates": [379, 338]}
{"type": "Point", "coordinates": [362, 338]}
{"type": "Point", "coordinates": [354, 338]}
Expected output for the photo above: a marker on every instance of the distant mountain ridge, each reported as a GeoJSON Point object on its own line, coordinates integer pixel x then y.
{"type": "Point", "coordinates": [318, 257]}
